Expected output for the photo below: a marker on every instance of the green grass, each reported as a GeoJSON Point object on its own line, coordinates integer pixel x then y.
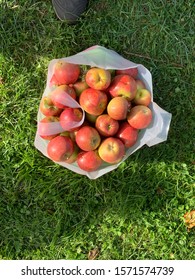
{"type": "Point", "coordinates": [134, 212]}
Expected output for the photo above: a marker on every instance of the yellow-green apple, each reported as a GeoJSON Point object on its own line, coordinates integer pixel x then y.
{"type": "Point", "coordinates": [111, 150]}
{"type": "Point", "coordinates": [123, 85]}
{"type": "Point", "coordinates": [98, 78]}
{"type": "Point", "coordinates": [88, 138]}
{"type": "Point", "coordinates": [106, 125]}
{"type": "Point", "coordinates": [74, 155]}
{"type": "Point", "coordinates": [133, 72]}
{"type": "Point", "coordinates": [93, 101]}
{"type": "Point", "coordinates": [59, 95]}
{"type": "Point", "coordinates": [65, 73]}
{"type": "Point", "coordinates": [65, 133]}
{"type": "Point", "coordinates": [118, 108]}
{"type": "Point", "coordinates": [46, 128]}
{"type": "Point", "coordinates": [79, 87]}
{"type": "Point", "coordinates": [142, 97]}
{"type": "Point", "coordinates": [70, 117]}
{"type": "Point", "coordinates": [60, 148]}
{"type": "Point", "coordinates": [47, 107]}
{"type": "Point", "coordinates": [127, 134]}
{"type": "Point", "coordinates": [140, 116]}
{"type": "Point", "coordinates": [140, 84]}
{"type": "Point", "coordinates": [89, 161]}
{"type": "Point", "coordinates": [91, 118]}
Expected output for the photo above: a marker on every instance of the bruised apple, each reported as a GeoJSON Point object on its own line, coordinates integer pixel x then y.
{"type": "Point", "coordinates": [127, 134]}
{"type": "Point", "coordinates": [65, 73]}
{"type": "Point", "coordinates": [111, 150]}
{"type": "Point", "coordinates": [70, 116]}
{"type": "Point", "coordinates": [118, 108]}
{"type": "Point", "coordinates": [59, 95]}
{"type": "Point", "coordinates": [88, 138]}
{"type": "Point", "coordinates": [133, 72]}
{"type": "Point", "coordinates": [45, 127]}
{"type": "Point", "coordinates": [47, 107]}
{"type": "Point", "coordinates": [89, 161]}
{"type": "Point", "coordinates": [60, 148]}
{"type": "Point", "coordinates": [142, 97]}
{"type": "Point", "coordinates": [98, 78]}
{"type": "Point", "coordinates": [123, 85]}
{"type": "Point", "coordinates": [93, 101]}
{"type": "Point", "coordinates": [139, 117]}
{"type": "Point", "coordinates": [106, 125]}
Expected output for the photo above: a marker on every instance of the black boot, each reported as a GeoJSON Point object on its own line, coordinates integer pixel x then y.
{"type": "Point", "coordinates": [69, 10]}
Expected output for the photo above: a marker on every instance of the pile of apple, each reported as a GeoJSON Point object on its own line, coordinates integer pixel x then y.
{"type": "Point", "coordinates": [114, 107]}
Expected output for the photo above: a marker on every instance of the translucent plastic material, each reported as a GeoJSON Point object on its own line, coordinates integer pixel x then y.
{"type": "Point", "coordinates": [98, 56]}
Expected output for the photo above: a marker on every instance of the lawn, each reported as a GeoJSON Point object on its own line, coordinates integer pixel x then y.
{"type": "Point", "coordinates": [134, 212]}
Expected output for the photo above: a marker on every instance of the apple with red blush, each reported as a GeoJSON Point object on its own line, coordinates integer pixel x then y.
{"type": "Point", "coordinates": [127, 134]}
{"type": "Point", "coordinates": [60, 148]}
{"type": "Point", "coordinates": [139, 117]}
{"type": "Point", "coordinates": [88, 138]}
{"type": "Point", "coordinates": [70, 117]}
{"type": "Point", "coordinates": [64, 73]}
{"type": "Point", "coordinates": [93, 101]}
{"type": "Point", "coordinates": [133, 72]}
{"type": "Point", "coordinates": [47, 107]}
{"type": "Point", "coordinates": [118, 108]}
{"type": "Point", "coordinates": [89, 161]}
{"type": "Point", "coordinates": [106, 125]}
{"type": "Point", "coordinates": [142, 97]}
{"type": "Point", "coordinates": [98, 78]}
{"type": "Point", "coordinates": [123, 85]}
{"type": "Point", "coordinates": [111, 150]}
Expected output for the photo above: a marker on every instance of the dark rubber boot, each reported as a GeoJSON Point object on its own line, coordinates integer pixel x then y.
{"type": "Point", "coordinates": [69, 10]}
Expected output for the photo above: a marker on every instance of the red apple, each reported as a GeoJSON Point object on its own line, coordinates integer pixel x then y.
{"type": "Point", "coordinates": [123, 85]}
{"type": "Point", "coordinates": [140, 84]}
{"type": "Point", "coordinates": [98, 78]}
{"type": "Point", "coordinates": [59, 95]}
{"type": "Point", "coordinates": [127, 134]}
{"type": "Point", "coordinates": [142, 97]}
{"type": "Point", "coordinates": [88, 138]}
{"type": "Point", "coordinates": [139, 117]}
{"type": "Point", "coordinates": [106, 125]}
{"type": "Point", "coordinates": [111, 150]}
{"type": "Point", "coordinates": [118, 108]}
{"type": "Point", "coordinates": [74, 155]}
{"type": "Point", "coordinates": [89, 161]}
{"type": "Point", "coordinates": [79, 87]}
{"type": "Point", "coordinates": [60, 148]}
{"type": "Point", "coordinates": [46, 128]}
{"type": "Point", "coordinates": [65, 73]}
{"type": "Point", "coordinates": [93, 101]}
{"type": "Point", "coordinates": [70, 117]}
{"type": "Point", "coordinates": [133, 72]}
{"type": "Point", "coordinates": [47, 107]}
